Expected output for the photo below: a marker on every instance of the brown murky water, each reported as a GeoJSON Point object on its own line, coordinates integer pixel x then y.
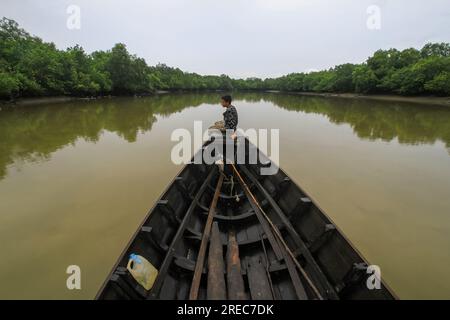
{"type": "Point", "coordinates": [77, 178]}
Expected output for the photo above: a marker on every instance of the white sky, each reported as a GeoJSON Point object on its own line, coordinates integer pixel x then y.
{"type": "Point", "coordinates": [240, 38]}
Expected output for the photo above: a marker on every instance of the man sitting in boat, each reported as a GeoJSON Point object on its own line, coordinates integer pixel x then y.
{"type": "Point", "coordinates": [228, 127]}
{"type": "Point", "coordinates": [230, 117]}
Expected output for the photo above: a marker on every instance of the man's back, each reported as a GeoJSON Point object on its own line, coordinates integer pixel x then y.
{"type": "Point", "coordinates": [230, 118]}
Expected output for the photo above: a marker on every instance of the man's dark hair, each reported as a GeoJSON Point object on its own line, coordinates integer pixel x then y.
{"type": "Point", "coordinates": [227, 98]}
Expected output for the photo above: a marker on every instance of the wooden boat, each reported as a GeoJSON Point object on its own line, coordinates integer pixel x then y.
{"type": "Point", "coordinates": [267, 239]}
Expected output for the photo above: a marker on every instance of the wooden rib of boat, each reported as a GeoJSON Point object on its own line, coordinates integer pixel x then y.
{"type": "Point", "coordinates": [241, 235]}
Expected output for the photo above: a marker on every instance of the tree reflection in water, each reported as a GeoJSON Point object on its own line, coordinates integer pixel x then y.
{"type": "Point", "coordinates": [33, 132]}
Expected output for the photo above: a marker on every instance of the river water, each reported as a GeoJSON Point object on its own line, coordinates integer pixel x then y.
{"type": "Point", "coordinates": [77, 178]}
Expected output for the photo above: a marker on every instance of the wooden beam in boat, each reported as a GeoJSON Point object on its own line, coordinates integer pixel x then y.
{"type": "Point", "coordinates": [258, 282]}
{"type": "Point", "coordinates": [235, 282]}
{"type": "Point", "coordinates": [171, 251]}
{"type": "Point", "coordinates": [326, 288]}
{"type": "Point", "coordinates": [216, 288]}
{"type": "Point", "coordinates": [193, 294]}
{"type": "Point", "coordinates": [275, 239]}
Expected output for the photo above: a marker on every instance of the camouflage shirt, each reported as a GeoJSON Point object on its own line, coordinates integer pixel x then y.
{"type": "Point", "coordinates": [230, 118]}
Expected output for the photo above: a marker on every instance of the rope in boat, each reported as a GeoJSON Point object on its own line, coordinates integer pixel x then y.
{"type": "Point", "coordinates": [278, 234]}
{"type": "Point", "coordinates": [231, 181]}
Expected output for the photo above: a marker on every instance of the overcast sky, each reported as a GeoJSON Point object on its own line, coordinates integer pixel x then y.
{"type": "Point", "coordinates": [240, 38]}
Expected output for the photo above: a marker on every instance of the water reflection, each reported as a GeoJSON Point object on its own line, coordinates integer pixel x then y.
{"type": "Point", "coordinates": [409, 123]}
{"type": "Point", "coordinates": [34, 132]}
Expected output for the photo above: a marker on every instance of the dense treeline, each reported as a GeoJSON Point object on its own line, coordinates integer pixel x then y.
{"type": "Point", "coordinates": [407, 72]}
{"type": "Point", "coordinates": [32, 67]}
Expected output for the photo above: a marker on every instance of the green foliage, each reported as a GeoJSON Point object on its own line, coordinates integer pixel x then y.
{"type": "Point", "coordinates": [121, 69]}
{"type": "Point", "coordinates": [344, 77]}
{"type": "Point", "coordinates": [31, 67]}
{"type": "Point", "coordinates": [8, 84]}
{"type": "Point", "coordinates": [436, 49]}
{"type": "Point", "coordinates": [403, 81]}
{"type": "Point", "coordinates": [440, 84]}
{"type": "Point", "coordinates": [364, 79]}
{"type": "Point", "coordinates": [407, 72]}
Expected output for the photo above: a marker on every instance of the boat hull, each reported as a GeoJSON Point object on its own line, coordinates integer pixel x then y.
{"type": "Point", "coordinates": [275, 241]}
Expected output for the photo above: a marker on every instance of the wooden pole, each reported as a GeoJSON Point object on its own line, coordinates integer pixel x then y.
{"type": "Point", "coordinates": [236, 290]}
{"type": "Point", "coordinates": [193, 294]}
{"type": "Point", "coordinates": [216, 288]}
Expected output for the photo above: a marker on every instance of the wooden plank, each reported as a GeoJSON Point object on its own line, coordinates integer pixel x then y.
{"type": "Point", "coordinates": [298, 285]}
{"type": "Point", "coordinates": [235, 282]}
{"type": "Point", "coordinates": [216, 288]}
{"type": "Point", "coordinates": [257, 280]}
{"type": "Point", "coordinates": [193, 295]}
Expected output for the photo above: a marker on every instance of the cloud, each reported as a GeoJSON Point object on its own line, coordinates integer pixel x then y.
{"type": "Point", "coordinates": [236, 37]}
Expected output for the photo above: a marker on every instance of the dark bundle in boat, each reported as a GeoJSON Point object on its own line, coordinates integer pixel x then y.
{"type": "Point", "coordinates": [237, 234]}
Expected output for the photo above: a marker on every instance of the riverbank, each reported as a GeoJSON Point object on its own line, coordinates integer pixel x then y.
{"type": "Point", "coordinates": [60, 99]}
{"type": "Point", "coordinates": [43, 100]}
{"type": "Point", "coordinates": [443, 101]}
